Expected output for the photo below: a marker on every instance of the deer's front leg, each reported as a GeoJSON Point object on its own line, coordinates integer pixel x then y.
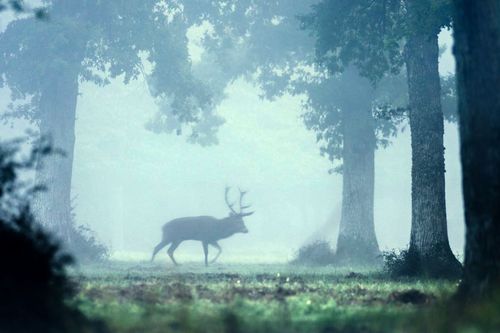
{"type": "Point", "coordinates": [205, 251]}
{"type": "Point", "coordinates": [217, 246]}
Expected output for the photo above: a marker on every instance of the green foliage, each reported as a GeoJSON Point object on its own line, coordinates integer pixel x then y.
{"type": "Point", "coordinates": [371, 35]}
{"type": "Point", "coordinates": [401, 264]}
{"type": "Point", "coordinates": [427, 16]}
{"type": "Point", "coordinates": [14, 192]}
{"type": "Point", "coordinates": [85, 245]}
{"type": "Point", "coordinates": [33, 283]}
{"type": "Point", "coordinates": [323, 116]}
{"type": "Point", "coordinates": [263, 41]}
{"type": "Point", "coordinates": [362, 33]}
{"type": "Point", "coordinates": [100, 40]}
{"type": "Point", "coordinates": [457, 316]}
{"type": "Point", "coordinates": [408, 263]}
{"type": "Point", "coordinates": [323, 112]}
{"type": "Point", "coordinates": [250, 298]}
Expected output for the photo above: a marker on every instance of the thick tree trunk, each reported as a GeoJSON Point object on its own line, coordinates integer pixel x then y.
{"type": "Point", "coordinates": [357, 242]}
{"type": "Point", "coordinates": [477, 51]}
{"type": "Point", "coordinates": [57, 121]}
{"type": "Point", "coordinates": [429, 236]}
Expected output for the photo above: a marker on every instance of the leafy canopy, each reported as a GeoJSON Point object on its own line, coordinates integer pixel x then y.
{"type": "Point", "coordinates": [100, 40]}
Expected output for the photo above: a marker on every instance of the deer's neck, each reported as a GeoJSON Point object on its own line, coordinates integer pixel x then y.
{"type": "Point", "coordinates": [225, 227]}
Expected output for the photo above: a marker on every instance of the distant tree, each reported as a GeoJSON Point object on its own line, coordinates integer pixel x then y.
{"type": "Point", "coordinates": [357, 241]}
{"type": "Point", "coordinates": [352, 119]}
{"type": "Point", "coordinates": [477, 51]}
{"type": "Point", "coordinates": [379, 38]}
{"type": "Point", "coordinates": [43, 63]}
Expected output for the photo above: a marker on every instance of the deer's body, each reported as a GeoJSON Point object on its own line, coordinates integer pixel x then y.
{"type": "Point", "coordinates": [200, 228]}
{"type": "Point", "coordinates": [206, 229]}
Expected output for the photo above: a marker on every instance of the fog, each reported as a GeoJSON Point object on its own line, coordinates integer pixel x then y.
{"type": "Point", "coordinates": [128, 181]}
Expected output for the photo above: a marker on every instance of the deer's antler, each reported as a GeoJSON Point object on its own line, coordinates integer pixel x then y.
{"type": "Point", "coordinates": [242, 207]}
{"type": "Point", "coordinates": [229, 205]}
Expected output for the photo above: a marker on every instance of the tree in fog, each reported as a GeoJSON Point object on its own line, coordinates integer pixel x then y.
{"type": "Point", "coordinates": [379, 38]}
{"type": "Point", "coordinates": [352, 96]}
{"type": "Point", "coordinates": [477, 51]}
{"type": "Point", "coordinates": [349, 116]}
{"type": "Point", "coordinates": [263, 41]}
{"type": "Point", "coordinates": [429, 235]}
{"type": "Point", "coordinates": [43, 64]}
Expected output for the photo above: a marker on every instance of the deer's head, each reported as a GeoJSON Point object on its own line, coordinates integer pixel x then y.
{"type": "Point", "coordinates": [236, 218]}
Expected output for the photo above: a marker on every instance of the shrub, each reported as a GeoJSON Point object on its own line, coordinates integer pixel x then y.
{"type": "Point", "coordinates": [400, 264]}
{"type": "Point", "coordinates": [316, 253]}
{"type": "Point", "coordinates": [33, 281]}
{"type": "Point", "coordinates": [408, 263]}
{"type": "Point", "coordinates": [85, 245]}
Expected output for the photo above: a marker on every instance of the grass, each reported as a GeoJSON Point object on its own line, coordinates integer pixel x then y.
{"type": "Point", "coordinates": [144, 297]}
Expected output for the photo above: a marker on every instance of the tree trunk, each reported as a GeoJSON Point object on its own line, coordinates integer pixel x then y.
{"type": "Point", "coordinates": [357, 242]}
{"type": "Point", "coordinates": [477, 51]}
{"type": "Point", "coordinates": [429, 236]}
{"type": "Point", "coordinates": [57, 121]}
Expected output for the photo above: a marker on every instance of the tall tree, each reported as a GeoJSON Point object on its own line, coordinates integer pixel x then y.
{"type": "Point", "coordinates": [477, 51]}
{"type": "Point", "coordinates": [357, 240]}
{"type": "Point", "coordinates": [351, 120]}
{"type": "Point", "coordinates": [44, 62]}
{"type": "Point", "coordinates": [429, 234]}
{"type": "Point", "coordinates": [379, 38]}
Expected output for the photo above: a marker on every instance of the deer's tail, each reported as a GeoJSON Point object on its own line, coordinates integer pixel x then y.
{"type": "Point", "coordinates": [158, 247]}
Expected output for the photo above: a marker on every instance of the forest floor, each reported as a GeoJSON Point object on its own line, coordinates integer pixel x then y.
{"type": "Point", "coordinates": [144, 297]}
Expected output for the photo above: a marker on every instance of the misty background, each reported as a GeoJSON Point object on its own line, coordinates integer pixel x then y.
{"type": "Point", "coordinates": [129, 181]}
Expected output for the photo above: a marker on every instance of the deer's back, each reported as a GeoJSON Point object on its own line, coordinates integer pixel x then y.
{"type": "Point", "coordinates": [191, 228]}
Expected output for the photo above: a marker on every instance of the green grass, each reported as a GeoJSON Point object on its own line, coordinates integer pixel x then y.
{"type": "Point", "coordinates": [144, 297]}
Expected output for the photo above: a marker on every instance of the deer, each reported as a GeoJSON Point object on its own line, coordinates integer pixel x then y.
{"type": "Point", "coordinates": [206, 229]}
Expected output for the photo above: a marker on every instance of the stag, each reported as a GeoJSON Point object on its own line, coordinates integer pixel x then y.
{"type": "Point", "coordinates": [206, 229]}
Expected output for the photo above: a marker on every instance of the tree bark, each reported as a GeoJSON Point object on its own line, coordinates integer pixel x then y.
{"type": "Point", "coordinates": [357, 242]}
{"type": "Point", "coordinates": [477, 51]}
{"type": "Point", "coordinates": [429, 235]}
{"type": "Point", "coordinates": [57, 111]}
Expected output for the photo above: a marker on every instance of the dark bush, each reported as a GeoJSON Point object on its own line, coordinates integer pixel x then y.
{"type": "Point", "coordinates": [316, 253]}
{"type": "Point", "coordinates": [401, 264]}
{"type": "Point", "coordinates": [408, 263]}
{"type": "Point", "coordinates": [85, 245]}
{"type": "Point", "coordinates": [33, 281]}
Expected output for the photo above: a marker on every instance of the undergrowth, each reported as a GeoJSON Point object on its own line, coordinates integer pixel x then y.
{"type": "Point", "coordinates": [316, 253]}
{"type": "Point", "coordinates": [408, 263]}
{"type": "Point", "coordinates": [143, 297]}
{"type": "Point", "coordinates": [34, 286]}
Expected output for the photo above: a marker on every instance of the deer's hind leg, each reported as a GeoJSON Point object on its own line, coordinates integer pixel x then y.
{"type": "Point", "coordinates": [205, 251]}
{"type": "Point", "coordinates": [219, 249]}
{"type": "Point", "coordinates": [171, 250]}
